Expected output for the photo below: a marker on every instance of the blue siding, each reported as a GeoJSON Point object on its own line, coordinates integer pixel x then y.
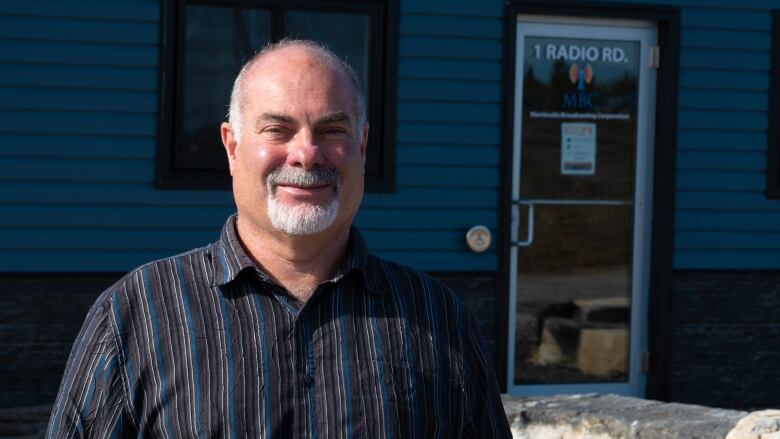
{"type": "Point", "coordinates": [449, 125]}
{"type": "Point", "coordinates": [61, 99]}
{"type": "Point", "coordinates": [723, 79]}
{"type": "Point", "coordinates": [723, 220]}
{"type": "Point", "coordinates": [78, 117]}
{"type": "Point", "coordinates": [725, 39]}
{"type": "Point", "coordinates": [427, 90]}
{"type": "Point", "coordinates": [123, 10]}
{"type": "Point", "coordinates": [77, 29]}
{"type": "Point", "coordinates": [78, 77]}
{"type": "Point", "coordinates": [705, 99]}
{"type": "Point", "coordinates": [731, 15]}
{"type": "Point", "coordinates": [82, 122]}
{"type": "Point", "coordinates": [94, 147]}
{"type": "Point", "coordinates": [204, 217]}
{"type": "Point", "coordinates": [722, 140]}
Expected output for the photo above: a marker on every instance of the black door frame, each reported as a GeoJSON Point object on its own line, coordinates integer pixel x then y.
{"type": "Point", "coordinates": [662, 240]}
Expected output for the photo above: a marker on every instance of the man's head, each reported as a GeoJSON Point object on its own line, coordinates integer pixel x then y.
{"type": "Point", "coordinates": [237, 95]}
{"type": "Point", "coordinates": [296, 140]}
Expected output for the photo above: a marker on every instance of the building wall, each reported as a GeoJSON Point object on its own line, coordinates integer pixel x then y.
{"type": "Point", "coordinates": [723, 220]}
{"type": "Point", "coordinates": [79, 84]}
{"type": "Point", "coordinates": [40, 319]}
{"type": "Point", "coordinates": [724, 345]}
{"type": "Point", "coordinates": [78, 119]}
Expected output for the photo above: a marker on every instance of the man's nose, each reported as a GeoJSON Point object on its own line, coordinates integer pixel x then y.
{"type": "Point", "coordinates": [304, 151]}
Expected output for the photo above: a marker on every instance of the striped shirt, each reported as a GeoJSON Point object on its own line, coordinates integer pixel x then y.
{"type": "Point", "coordinates": [204, 344]}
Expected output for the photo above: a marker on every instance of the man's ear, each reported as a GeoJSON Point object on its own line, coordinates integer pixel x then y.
{"type": "Point", "coordinates": [230, 142]}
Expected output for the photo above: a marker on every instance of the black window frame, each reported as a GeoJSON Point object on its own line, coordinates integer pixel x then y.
{"type": "Point", "coordinates": [773, 134]}
{"type": "Point", "coordinates": [380, 165]}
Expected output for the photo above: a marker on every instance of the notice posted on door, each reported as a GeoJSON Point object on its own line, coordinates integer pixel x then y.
{"type": "Point", "coordinates": [578, 148]}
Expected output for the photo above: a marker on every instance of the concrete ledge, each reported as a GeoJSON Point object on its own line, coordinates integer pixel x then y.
{"type": "Point", "coordinates": [596, 416]}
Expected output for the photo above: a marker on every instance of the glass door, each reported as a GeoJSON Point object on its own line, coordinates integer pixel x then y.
{"type": "Point", "coordinates": [584, 110]}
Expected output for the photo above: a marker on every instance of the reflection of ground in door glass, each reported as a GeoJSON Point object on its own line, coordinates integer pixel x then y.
{"type": "Point", "coordinates": [573, 298]}
{"type": "Point", "coordinates": [569, 331]}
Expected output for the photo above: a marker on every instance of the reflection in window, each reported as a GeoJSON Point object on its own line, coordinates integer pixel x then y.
{"type": "Point", "coordinates": [210, 64]}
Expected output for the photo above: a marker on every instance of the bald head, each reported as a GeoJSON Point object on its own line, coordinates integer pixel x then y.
{"type": "Point", "coordinates": [310, 50]}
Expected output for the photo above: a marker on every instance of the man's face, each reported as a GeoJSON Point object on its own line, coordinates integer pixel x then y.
{"type": "Point", "coordinates": [298, 166]}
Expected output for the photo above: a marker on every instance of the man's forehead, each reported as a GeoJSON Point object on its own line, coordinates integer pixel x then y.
{"type": "Point", "coordinates": [294, 60]}
{"type": "Point", "coordinates": [288, 76]}
{"type": "Point", "coordinates": [334, 116]}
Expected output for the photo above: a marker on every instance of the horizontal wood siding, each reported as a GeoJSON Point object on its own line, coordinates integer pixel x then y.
{"type": "Point", "coordinates": [78, 121]}
{"type": "Point", "coordinates": [723, 220]}
{"type": "Point", "coordinates": [448, 134]}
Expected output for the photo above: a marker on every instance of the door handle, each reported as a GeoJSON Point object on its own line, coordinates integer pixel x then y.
{"type": "Point", "coordinates": [545, 202]}
{"type": "Point", "coordinates": [530, 227]}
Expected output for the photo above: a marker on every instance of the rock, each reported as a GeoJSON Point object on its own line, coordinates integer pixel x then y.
{"type": "Point", "coordinates": [560, 338]}
{"type": "Point", "coordinates": [526, 334]}
{"type": "Point", "coordinates": [763, 424]}
{"type": "Point", "coordinates": [607, 309]}
{"type": "Point", "coordinates": [603, 351]}
{"type": "Point", "coordinates": [593, 416]}
{"type": "Point", "coordinates": [595, 348]}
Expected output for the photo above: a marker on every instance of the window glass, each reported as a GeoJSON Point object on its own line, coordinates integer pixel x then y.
{"type": "Point", "coordinates": [218, 40]}
{"type": "Point", "coordinates": [205, 43]}
{"type": "Point", "coordinates": [347, 35]}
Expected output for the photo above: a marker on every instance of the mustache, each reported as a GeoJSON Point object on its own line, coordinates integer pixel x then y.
{"type": "Point", "coordinates": [301, 177]}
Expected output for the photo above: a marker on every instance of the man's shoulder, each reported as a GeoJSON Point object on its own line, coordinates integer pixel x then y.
{"type": "Point", "coordinates": [157, 276]}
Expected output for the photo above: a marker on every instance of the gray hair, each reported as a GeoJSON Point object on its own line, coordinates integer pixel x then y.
{"type": "Point", "coordinates": [327, 56]}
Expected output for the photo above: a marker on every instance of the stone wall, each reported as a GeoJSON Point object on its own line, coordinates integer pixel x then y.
{"type": "Point", "coordinates": [41, 316]}
{"type": "Point", "coordinates": [725, 332]}
{"type": "Point", "coordinates": [724, 341]}
{"type": "Point", "coordinates": [478, 291]}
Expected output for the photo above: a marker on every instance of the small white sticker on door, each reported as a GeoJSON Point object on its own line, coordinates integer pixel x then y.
{"type": "Point", "coordinates": [578, 148]}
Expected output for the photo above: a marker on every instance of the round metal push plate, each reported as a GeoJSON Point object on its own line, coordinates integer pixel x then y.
{"type": "Point", "coordinates": [478, 238]}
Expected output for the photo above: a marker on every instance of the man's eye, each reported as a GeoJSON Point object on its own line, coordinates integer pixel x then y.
{"type": "Point", "coordinates": [334, 131]}
{"type": "Point", "coordinates": [276, 131]}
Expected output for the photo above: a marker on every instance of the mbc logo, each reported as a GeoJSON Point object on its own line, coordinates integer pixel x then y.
{"type": "Point", "coordinates": [580, 99]}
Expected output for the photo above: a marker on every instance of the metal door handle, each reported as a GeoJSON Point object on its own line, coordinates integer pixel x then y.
{"type": "Point", "coordinates": [530, 229]}
{"type": "Point", "coordinates": [531, 203]}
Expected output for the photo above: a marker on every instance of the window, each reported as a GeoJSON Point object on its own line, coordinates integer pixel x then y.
{"type": "Point", "coordinates": [773, 146]}
{"type": "Point", "coordinates": [206, 42]}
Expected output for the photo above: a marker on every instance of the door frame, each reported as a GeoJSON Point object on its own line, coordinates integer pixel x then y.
{"type": "Point", "coordinates": [662, 250]}
{"type": "Point", "coordinates": [644, 33]}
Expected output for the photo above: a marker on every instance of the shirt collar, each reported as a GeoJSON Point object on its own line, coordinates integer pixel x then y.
{"type": "Point", "coordinates": [229, 259]}
{"type": "Point", "coordinates": [357, 259]}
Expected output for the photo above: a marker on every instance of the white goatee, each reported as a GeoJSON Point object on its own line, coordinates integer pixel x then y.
{"type": "Point", "coordinates": [302, 218]}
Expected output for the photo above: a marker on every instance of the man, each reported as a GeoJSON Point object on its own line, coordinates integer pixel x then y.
{"type": "Point", "coordinates": [285, 327]}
